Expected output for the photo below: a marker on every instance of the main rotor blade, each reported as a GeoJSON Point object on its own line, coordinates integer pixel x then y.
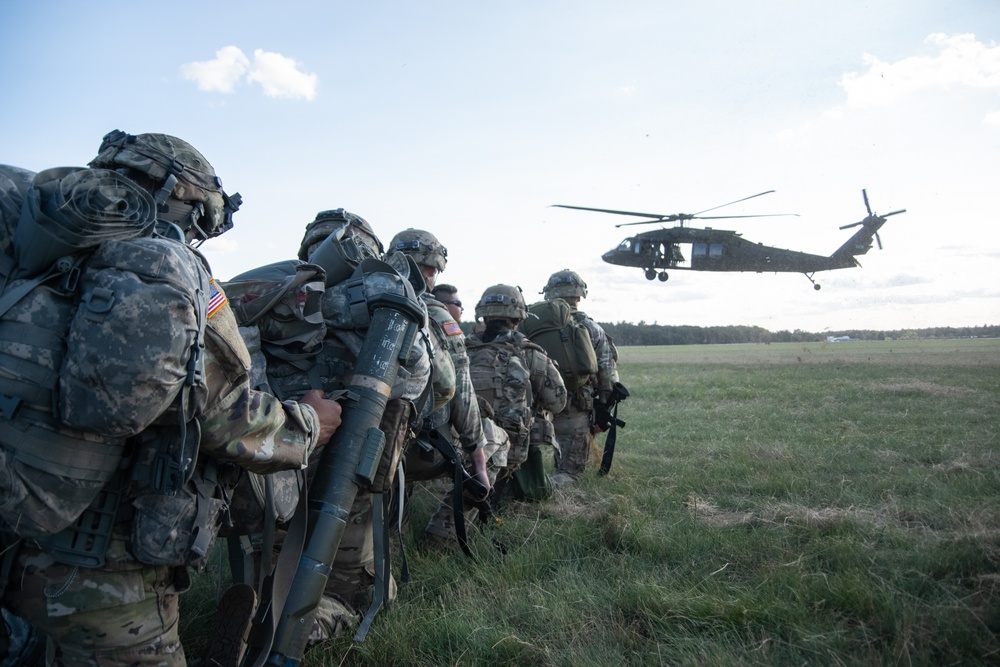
{"type": "Point", "coordinates": [726, 217]}
{"type": "Point", "coordinates": [864, 193]}
{"type": "Point", "coordinates": [759, 194]}
{"type": "Point", "coordinates": [657, 216]}
{"type": "Point", "coordinates": [878, 240]}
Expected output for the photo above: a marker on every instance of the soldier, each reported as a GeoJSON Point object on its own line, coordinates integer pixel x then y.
{"type": "Point", "coordinates": [573, 424]}
{"type": "Point", "coordinates": [123, 610]}
{"type": "Point", "coordinates": [349, 591]}
{"type": "Point", "coordinates": [513, 376]}
{"type": "Point", "coordinates": [459, 420]}
{"type": "Point", "coordinates": [448, 295]}
{"type": "Point", "coordinates": [303, 352]}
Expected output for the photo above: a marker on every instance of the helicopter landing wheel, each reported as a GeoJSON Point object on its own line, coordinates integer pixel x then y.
{"type": "Point", "coordinates": [663, 276]}
{"type": "Point", "coordinates": [816, 287]}
{"type": "Point", "coordinates": [650, 274]}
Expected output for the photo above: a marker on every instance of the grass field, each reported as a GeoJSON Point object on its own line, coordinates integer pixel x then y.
{"type": "Point", "coordinates": [785, 504]}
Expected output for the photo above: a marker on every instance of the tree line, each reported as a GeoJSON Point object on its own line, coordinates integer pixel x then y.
{"type": "Point", "coordinates": [626, 333]}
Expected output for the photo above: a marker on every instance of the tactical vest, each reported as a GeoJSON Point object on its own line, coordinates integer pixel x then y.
{"type": "Point", "coordinates": [501, 375]}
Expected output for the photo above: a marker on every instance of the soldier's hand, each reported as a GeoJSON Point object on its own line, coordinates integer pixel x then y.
{"type": "Point", "coordinates": [328, 412]}
{"type": "Point", "coordinates": [479, 471]}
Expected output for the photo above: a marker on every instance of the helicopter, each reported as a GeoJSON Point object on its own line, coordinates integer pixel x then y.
{"type": "Point", "coordinates": [721, 250]}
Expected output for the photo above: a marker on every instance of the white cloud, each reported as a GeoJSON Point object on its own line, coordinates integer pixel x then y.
{"type": "Point", "coordinates": [992, 118]}
{"type": "Point", "coordinates": [278, 75]}
{"type": "Point", "coordinates": [962, 61]}
{"type": "Point", "coordinates": [219, 75]}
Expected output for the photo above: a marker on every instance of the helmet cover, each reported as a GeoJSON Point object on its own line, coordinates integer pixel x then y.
{"type": "Point", "coordinates": [422, 246]}
{"type": "Point", "coordinates": [502, 301]}
{"type": "Point", "coordinates": [565, 283]}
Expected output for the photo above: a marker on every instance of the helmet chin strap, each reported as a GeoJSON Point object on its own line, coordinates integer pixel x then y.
{"type": "Point", "coordinates": [185, 216]}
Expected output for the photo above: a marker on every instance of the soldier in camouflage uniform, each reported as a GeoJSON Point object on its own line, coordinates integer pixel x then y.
{"type": "Point", "coordinates": [349, 590]}
{"type": "Point", "coordinates": [574, 424]}
{"type": "Point", "coordinates": [126, 611]}
{"type": "Point", "coordinates": [459, 419]}
{"type": "Point", "coordinates": [515, 376]}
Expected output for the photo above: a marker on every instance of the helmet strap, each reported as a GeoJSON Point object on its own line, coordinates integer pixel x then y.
{"type": "Point", "coordinates": [161, 195]}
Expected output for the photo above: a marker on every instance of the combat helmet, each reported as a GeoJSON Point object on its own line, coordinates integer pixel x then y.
{"type": "Point", "coordinates": [565, 283]}
{"type": "Point", "coordinates": [339, 241]}
{"type": "Point", "coordinates": [187, 191]}
{"type": "Point", "coordinates": [422, 246]}
{"type": "Point", "coordinates": [502, 301]}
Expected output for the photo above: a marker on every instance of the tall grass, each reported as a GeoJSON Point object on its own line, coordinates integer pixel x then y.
{"type": "Point", "coordinates": [784, 504]}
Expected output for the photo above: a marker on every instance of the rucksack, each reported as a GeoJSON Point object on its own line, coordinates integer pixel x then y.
{"type": "Point", "coordinates": [501, 376]}
{"type": "Point", "coordinates": [551, 325]}
{"type": "Point", "coordinates": [95, 349]}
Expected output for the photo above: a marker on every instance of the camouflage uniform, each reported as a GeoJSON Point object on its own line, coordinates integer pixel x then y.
{"type": "Point", "coordinates": [126, 612]}
{"type": "Point", "coordinates": [548, 391]}
{"type": "Point", "coordinates": [515, 379]}
{"type": "Point", "coordinates": [459, 418]}
{"type": "Point", "coordinates": [572, 424]}
{"type": "Point", "coordinates": [461, 415]}
{"type": "Point", "coordinates": [349, 588]}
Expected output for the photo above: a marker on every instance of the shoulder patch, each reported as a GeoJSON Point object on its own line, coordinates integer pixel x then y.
{"type": "Point", "coordinates": [452, 328]}
{"type": "Point", "coordinates": [216, 298]}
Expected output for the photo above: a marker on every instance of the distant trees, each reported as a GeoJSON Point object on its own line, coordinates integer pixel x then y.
{"type": "Point", "coordinates": [626, 333]}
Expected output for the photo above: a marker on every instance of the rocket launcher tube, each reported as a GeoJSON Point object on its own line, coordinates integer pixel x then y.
{"type": "Point", "coordinates": [348, 460]}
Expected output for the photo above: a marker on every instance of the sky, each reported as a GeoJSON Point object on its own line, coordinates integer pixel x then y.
{"type": "Point", "coordinates": [471, 119]}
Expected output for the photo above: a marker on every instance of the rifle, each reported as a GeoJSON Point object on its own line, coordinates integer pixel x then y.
{"type": "Point", "coordinates": [464, 482]}
{"type": "Point", "coordinates": [606, 419]}
{"type": "Point", "coordinates": [349, 461]}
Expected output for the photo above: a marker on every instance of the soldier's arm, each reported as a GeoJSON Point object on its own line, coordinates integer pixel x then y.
{"type": "Point", "coordinates": [250, 428]}
{"type": "Point", "coordinates": [465, 416]}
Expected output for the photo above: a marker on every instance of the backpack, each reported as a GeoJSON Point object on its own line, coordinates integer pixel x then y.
{"type": "Point", "coordinates": [95, 349]}
{"type": "Point", "coordinates": [502, 378]}
{"type": "Point", "coordinates": [551, 325]}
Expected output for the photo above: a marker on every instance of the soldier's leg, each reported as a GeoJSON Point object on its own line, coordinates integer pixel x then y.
{"type": "Point", "coordinates": [351, 586]}
{"type": "Point", "coordinates": [575, 442]}
{"type": "Point", "coordinates": [441, 526]}
{"type": "Point", "coordinates": [124, 615]}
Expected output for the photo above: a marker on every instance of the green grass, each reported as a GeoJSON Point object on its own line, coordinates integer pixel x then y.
{"type": "Point", "coordinates": [784, 504]}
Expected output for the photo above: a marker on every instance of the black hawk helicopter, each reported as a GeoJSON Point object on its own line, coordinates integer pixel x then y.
{"type": "Point", "coordinates": [723, 250]}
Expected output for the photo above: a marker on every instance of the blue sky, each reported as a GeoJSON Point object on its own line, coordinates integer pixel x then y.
{"type": "Point", "coordinates": [471, 119]}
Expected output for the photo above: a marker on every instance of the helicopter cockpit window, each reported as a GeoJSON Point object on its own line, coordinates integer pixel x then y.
{"type": "Point", "coordinates": [626, 245]}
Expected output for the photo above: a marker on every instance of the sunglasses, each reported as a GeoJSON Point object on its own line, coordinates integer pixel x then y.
{"type": "Point", "coordinates": [457, 304]}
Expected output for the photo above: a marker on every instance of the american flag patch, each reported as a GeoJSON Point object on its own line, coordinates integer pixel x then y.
{"type": "Point", "coordinates": [451, 328]}
{"type": "Point", "coordinates": [216, 298]}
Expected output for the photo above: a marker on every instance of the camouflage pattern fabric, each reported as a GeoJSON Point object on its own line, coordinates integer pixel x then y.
{"type": "Point", "coordinates": [604, 348]}
{"type": "Point", "coordinates": [14, 182]}
{"type": "Point", "coordinates": [122, 615]}
{"type": "Point", "coordinates": [462, 410]}
{"type": "Point", "coordinates": [126, 612]}
{"type": "Point", "coordinates": [544, 388]}
{"type": "Point", "coordinates": [572, 425]}
{"type": "Point", "coordinates": [252, 429]}
{"type": "Point", "coordinates": [572, 428]}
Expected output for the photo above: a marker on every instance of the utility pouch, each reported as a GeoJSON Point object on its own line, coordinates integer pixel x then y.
{"type": "Point", "coordinates": [178, 529]}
